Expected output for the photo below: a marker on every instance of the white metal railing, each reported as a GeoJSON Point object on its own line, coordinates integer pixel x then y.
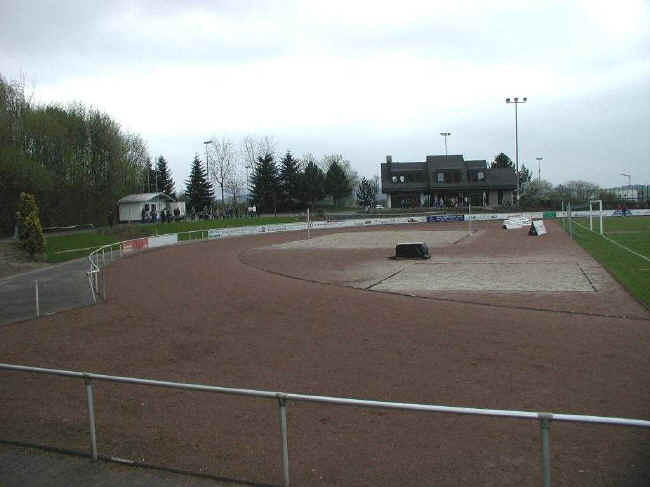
{"type": "Point", "coordinates": [544, 418]}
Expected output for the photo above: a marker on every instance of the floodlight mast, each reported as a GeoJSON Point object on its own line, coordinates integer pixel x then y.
{"type": "Point", "coordinates": [516, 102]}
{"type": "Point", "coordinates": [445, 135]}
{"type": "Point", "coordinates": [629, 178]}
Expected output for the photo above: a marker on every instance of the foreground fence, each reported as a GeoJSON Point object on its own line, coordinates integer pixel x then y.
{"type": "Point", "coordinates": [283, 398]}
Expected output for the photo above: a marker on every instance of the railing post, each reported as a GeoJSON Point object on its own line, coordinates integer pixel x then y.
{"type": "Point", "coordinates": [96, 268]}
{"type": "Point", "coordinates": [38, 307]}
{"type": "Point", "coordinates": [545, 427]}
{"type": "Point", "coordinates": [91, 417]}
{"type": "Point", "coordinates": [282, 403]}
{"type": "Point", "coordinates": [92, 289]}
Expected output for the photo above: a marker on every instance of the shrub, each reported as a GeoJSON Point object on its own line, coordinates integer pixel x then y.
{"type": "Point", "coordinates": [30, 232]}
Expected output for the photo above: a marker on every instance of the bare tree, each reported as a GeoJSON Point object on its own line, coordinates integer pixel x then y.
{"type": "Point", "coordinates": [223, 163]}
{"type": "Point", "coordinates": [249, 151]}
{"type": "Point", "coordinates": [252, 148]}
{"type": "Point", "coordinates": [308, 157]}
{"type": "Point", "coordinates": [236, 182]}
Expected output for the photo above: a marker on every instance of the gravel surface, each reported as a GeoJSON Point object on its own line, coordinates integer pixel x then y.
{"type": "Point", "coordinates": [234, 312]}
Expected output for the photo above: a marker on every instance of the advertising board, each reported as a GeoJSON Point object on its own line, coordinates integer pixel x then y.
{"type": "Point", "coordinates": [445, 218]}
{"type": "Point", "coordinates": [134, 245]}
{"type": "Point", "coordinates": [162, 240]}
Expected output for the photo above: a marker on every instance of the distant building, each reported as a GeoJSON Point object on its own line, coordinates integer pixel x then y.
{"type": "Point", "coordinates": [629, 193]}
{"type": "Point", "coordinates": [446, 181]}
{"type": "Point", "coordinates": [133, 206]}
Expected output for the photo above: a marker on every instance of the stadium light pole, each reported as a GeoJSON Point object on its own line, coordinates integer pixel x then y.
{"type": "Point", "coordinates": [517, 101]}
{"type": "Point", "coordinates": [539, 168]}
{"type": "Point", "coordinates": [629, 178]}
{"type": "Point", "coordinates": [445, 135]}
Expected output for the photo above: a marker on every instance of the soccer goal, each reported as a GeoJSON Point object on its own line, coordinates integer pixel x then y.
{"type": "Point", "coordinates": [598, 214]}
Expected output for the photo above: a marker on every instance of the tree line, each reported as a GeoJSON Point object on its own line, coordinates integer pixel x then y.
{"type": "Point", "coordinates": [75, 160]}
{"type": "Point", "coordinates": [253, 172]}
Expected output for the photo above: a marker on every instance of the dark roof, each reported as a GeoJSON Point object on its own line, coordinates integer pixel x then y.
{"type": "Point", "coordinates": [144, 197]}
{"type": "Point", "coordinates": [504, 176]}
{"type": "Point", "coordinates": [405, 166]}
{"type": "Point", "coordinates": [477, 164]}
{"type": "Point", "coordinates": [452, 161]}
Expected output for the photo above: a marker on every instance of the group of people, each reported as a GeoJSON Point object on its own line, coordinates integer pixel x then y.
{"type": "Point", "coordinates": [150, 215]}
{"type": "Point", "coordinates": [222, 213]}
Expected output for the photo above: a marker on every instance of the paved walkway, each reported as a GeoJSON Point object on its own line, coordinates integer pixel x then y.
{"type": "Point", "coordinates": [60, 287]}
{"type": "Point", "coordinates": [30, 466]}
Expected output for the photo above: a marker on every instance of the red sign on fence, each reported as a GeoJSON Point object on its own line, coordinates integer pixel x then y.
{"type": "Point", "coordinates": [134, 245]}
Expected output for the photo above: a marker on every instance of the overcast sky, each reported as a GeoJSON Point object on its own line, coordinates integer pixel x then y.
{"type": "Point", "coordinates": [363, 79]}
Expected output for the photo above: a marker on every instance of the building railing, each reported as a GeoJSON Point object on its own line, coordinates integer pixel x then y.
{"type": "Point", "coordinates": [282, 398]}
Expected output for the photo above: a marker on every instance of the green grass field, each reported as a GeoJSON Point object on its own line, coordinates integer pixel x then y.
{"type": "Point", "coordinates": [60, 248]}
{"type": "Point", "coordinates": [630, 270]}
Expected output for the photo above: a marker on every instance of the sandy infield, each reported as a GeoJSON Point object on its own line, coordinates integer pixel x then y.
{"type": "Point", "coordinates": [473, 274]}
{"type": "Point", "coordinates": [494, 276]}
{"type": "Point", "coordinates": [375, 240]}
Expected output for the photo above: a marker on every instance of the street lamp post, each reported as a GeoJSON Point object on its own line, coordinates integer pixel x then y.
{"type": "Point", "coordinates": [539, 168]}
{"type": "Point", "coordinates": [207, 167]}
{"type": "Point", "coordinates": [247, 185]}
{"type": "Point", "coordinates": [517, 101]}
{"type": "Point", "coordinates": [445, 135]}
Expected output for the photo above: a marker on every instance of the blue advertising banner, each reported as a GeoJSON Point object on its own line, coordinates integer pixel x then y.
{"type": "Point", "coordinates": [445, 218]}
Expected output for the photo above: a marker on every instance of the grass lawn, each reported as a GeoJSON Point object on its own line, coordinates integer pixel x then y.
{"type": "Point", "coordinates": [634, 233]}
{"type": "Point", "coordinates": [60, 248]}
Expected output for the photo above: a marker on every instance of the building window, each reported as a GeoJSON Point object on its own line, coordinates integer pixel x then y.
{"type": "Point", "coordinates": [441, 177]}
{"type": "Point", "coordinates": [394, 179]}
{"type": "Point", "coordinates": [402, 179]}
{"type": "Point", "coordinates": [480, 175]}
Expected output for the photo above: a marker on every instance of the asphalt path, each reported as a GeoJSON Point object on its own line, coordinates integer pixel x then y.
{"type": "Point", "coordinates": [60, 287]}
{"type": "Point", "coordinates": [28, 466]}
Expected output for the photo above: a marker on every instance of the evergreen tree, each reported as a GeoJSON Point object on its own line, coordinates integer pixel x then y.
{"type": "Point", "coordinates": [150, 178]}
{"type": "Point", "coordinates": [312, 184]}
{"type": "Point", "coordinates": [165, 181]}
{"type": "Point", "coordinates": [337, 184]}
{"type": "Point", "coordinates": [289, 180]}
{"type": "Point", "coordinates": [366, 193]}
{"type": "Point", "coordinates": [524, 175]}
{"type": "Point", "coordinates": [198, 194]}
{"type": "Point", "coordinates": [265, 184]}
{"type": "Point", "coordinates": [502, 160]}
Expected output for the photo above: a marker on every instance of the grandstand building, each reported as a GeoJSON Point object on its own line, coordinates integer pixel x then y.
{"type": "Point", "coordinates": [446, 181]}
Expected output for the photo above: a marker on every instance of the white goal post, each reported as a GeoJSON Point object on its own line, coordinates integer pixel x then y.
{"type": "Point", "coordinates": [591, 214]}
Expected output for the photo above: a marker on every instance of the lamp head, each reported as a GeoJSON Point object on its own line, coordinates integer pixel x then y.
{"type": "Point", "coordinates": [507, 100]}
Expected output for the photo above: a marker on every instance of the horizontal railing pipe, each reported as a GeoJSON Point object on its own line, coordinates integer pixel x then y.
{"type": "Point", "coordinates": [530, 415]}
